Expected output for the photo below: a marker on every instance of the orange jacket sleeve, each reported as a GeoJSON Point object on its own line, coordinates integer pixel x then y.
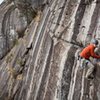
{"type": "Point", "coordinates": [93, 53]}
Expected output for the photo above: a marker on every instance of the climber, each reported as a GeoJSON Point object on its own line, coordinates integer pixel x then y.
{"type": "Point", "coordinates": [86, 54]}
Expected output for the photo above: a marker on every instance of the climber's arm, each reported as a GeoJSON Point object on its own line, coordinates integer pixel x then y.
{"type": "Point", "coordinates": [93, 53]}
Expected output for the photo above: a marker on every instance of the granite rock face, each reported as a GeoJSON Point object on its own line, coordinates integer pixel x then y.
{"type": "Point", "coordinates": [43, 64]}
{"type": "Point", "coordinates": [11, 24]}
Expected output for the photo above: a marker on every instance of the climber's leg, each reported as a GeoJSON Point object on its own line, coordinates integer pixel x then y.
{"type": "Point", "coordinates": [90, 70]}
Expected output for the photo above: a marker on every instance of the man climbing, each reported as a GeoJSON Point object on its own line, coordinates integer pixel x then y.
{"type": "Point", "coordinates": [85, 56]}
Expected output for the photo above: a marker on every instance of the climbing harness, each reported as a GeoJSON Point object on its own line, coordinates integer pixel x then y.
{"type": "Point", "coordinates": [83, 62]}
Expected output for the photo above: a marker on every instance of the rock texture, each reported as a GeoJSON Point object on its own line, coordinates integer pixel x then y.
{"type": "Point", "coordinates": [43, 64]}
{"type": "Point", "coordinates": [9, 22]}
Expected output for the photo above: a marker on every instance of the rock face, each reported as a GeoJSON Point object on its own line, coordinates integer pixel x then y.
{"type": "Point", "coordinates": [43, 64]}
{"type": "Point", "coordinates": [9, 22]}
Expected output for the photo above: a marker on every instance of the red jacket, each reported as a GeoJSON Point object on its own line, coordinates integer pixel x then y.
{"type": "Point", "coordinates": [89, 52]}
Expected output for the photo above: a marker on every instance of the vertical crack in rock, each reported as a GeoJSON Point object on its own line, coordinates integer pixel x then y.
{"type": "Point", "coordinates": [36, 50]}
{"type": "Point", "coordinates": [75, 77]}
{"type": "Point", "coordinates": [68, 20]}
{"type": "Point", "coordinates": [44, 80]}
{"type": "Point", "coordinates": [85, 24]}
{"type": "Point", "coordinates": [60, 16]}
{"type": "Point", "coordinates": [78, 19]}
{"type": "Point", "coordinates": [54, 71]}
{"type": "Point", "coordinates": [94, 21]}
{"type": "Point", "coordinates": [66, 78]}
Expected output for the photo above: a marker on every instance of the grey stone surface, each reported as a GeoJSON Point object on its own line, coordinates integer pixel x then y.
{"type": "Point", "coordinates": [43, 64]}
